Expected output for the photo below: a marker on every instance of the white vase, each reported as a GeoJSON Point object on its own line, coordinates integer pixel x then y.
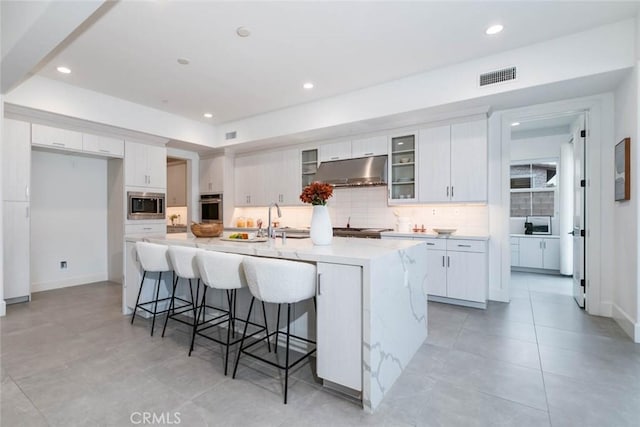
{"type": "Point", "coordinates": [321, 232]}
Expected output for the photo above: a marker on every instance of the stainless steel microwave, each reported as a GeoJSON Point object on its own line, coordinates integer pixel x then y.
{"type": "Point", "coordinates": [537, 225]}
{"type": "Point", "coordinates": [145, 205]}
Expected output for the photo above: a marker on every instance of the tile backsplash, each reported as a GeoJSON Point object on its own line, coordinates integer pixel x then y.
{"type": "Point", "coordinates": [181, 211]}
{"type": "Point", "coordinates": [367, 207]}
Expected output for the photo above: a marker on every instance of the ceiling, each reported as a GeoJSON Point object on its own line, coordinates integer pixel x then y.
{"type": "Point", "coordinates": [131, 51]}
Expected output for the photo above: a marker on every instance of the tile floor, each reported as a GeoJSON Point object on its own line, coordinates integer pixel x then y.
{"type": "Point", "coordinates": [69, 358]}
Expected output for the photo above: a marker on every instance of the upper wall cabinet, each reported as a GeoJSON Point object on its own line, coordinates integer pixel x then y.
{"type": "Point", "coordinates": [145, 165]}
{"type": "Point", "coordinates": [48, 136]}
{"type": "Point", "coordinates": [16, 160]}
{"type": "Point", "coordinates": [212, 175]}
{"type": "Point", "coordinates": [372, 146]}
{"type": "Point", "coordinates": [402, 174]}
{"type": "Point", "coordinates": [102, 145]}
{"type": "Point", "coordinates": [453, 163]}
{"type": "Point", "coordinates": [335, 151]}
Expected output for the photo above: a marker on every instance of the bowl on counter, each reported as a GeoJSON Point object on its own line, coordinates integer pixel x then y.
{"type": "Point", "coordinates": [211, 229]}
{"type": "Point", "coordinates": [445, 231]}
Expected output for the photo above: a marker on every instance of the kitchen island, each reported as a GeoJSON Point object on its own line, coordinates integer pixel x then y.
{"type": "Point", "coordinates": [371, 310]}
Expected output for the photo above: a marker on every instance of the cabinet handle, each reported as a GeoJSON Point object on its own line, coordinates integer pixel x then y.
{"type": "Point", "coordinates": [447, 191]}
{"type": "Point", "coordinates": [104, 151]}
{"type": "Point", "coordinates": [430, 244]}
{"type": "Point", "coordinates": [368, 154]}
{"type": "Point", "coordinates": [443, 260]}
{"type": "Point", "coordinates": [59, 144]}
{"type": "Point", "coordinates": [452, 191]}
{"type": "Point", "coordinates": [464, 246]}
{"type": "Point", "coordinates": [544, 244]}
{"type": "Point", "coordinates": [210, 185]}
{"type": "Point", "coordinates": [318, 288]}
{"type": "Point", "coordinates": [146, 228]}
{"type": "Point", "coordinates": [26, 191]}
{"type": "Point", "coordinates": [335, 158]}
{"type": "Point", "coordinates": [448, 261]}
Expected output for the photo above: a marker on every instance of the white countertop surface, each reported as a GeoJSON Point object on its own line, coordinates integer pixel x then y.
{"type": "Point", "coordinates": [434, 236]}
{"type": "Point", "coordinates": [544, 236]}
{"type": "Point", "coordinates": [343, 250]}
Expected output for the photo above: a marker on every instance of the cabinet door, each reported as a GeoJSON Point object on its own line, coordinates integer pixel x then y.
{"type": "Point", "coordinates": [102, 145]}
{"type": "Point", "coordinates": [17, 281]}
{"type": "Point", "coordinates": [339, 323]}
{"type": "Point", "coordinates": [211, 175]}
{"type": "Point", "coordinates": [16, 160]}
{"type": "Point", "coordinates": [551, 254]}
{"type": "Point", "coordinates": [515, 252]}
{"type": "Point", "coordinates": [434, 164]}
{"type": "Point", "coordinates": [372, 146]}
{"type": "Point", "coordinates": [531, 252]}
{"type": "Point", "coordinates": [469, 162]}
{"type": "Point", "coordinates": [467, 276]}
{"type": "Point", "coordinates": [289, 178]}
{"type": "Point", "coordinates": [54, 137]}
{"type": "Point", "coordinates": [402, 173]}
{"type": "Point", "coordinates": [156, 166]}
{"type": "Point", "coordinates": [246, 177]}
{"type": "Point", "coordinates": [135, 165]}
{"type": "Point", "coordinates": [177, 184]}
{"type": "Point", "coordinates": [437, 273]}
{"type": "Point", "coordinates": [335, 151]}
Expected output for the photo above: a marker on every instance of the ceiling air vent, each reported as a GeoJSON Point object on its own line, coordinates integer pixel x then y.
{"type": "Point", "coordinates": [231, 135]}
{"type": "Point", "coordinates": [498, 76]}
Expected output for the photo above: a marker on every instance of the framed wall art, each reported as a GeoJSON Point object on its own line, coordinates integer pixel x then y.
{"type": "Point", "coordinates": [622, 170]}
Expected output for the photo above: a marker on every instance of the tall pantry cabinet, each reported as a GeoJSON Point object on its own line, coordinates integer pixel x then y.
{"type": "Point", "coordinates": [16, 172]}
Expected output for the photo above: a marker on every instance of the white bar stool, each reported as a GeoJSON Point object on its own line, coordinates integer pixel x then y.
{"type": "Point", "coordinates": [183, 259]}
{"type": "Point", "coordinates": [219, 270]}
{"type": "Point", "coordinates": [153, 259]}
{"type": "Point", "coordinates": [280, 282]}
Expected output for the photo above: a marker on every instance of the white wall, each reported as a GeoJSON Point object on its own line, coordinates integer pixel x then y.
{"type": "Point", "coordinates": [68, 220]}
{"type": "Point", "coordinates": [625, 308]}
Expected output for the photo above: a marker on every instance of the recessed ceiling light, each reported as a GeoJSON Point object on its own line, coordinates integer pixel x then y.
{"type": "Point", "coordinates": [183, 61]}
{"type": "Point", "coordinates": [208, 115]}
{"type": "Point", "coordinates": [494, 29]}
{"type": "Point", "coordinates": [515, 124]}
{"type": "Point", "coordinates": [243, 32]}
{"type": "Point", "coordinates": [308, 85]}
{"type": "Point", "coordinates": [64, 70]}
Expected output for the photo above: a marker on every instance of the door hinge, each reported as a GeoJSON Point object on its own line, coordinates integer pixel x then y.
{"type": "Point", "coordinates": [582, 233]}
{"type": "Point", "coordinates": [583, 283]}
{"type": "Point", "coordinates": [583, 134]}
{"type": "Point", "coordinates": [583, 183]}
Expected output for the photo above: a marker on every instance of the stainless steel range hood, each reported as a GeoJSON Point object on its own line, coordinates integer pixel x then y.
{"type": "Point", "coordinates": [364, 171]}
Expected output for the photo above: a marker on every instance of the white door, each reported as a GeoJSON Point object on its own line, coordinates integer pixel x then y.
{"type": "Point", "coordinates": [437, 273]}
{"type": "Point", "coordinates": [466, 276]}
{"type": "Point", "coordinates": [579, 185]}
{"type": "Point", "coordinates": [469, 162]}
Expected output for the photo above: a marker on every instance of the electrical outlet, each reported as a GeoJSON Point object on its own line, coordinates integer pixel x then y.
{"type": "Point", "coordinates": [433, 211]}
{"type": "Point", "coordinates": [63, 265]}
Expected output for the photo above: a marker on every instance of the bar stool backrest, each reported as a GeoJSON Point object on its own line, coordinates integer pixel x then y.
{"type": "Point", "coordinates": [280, 281]}
{"type": "Point", "coordinates": [183, 259]}
{"type": "Point", "coordinates": [153, 256]}
{"type": "Point", "coordinates": [221, 270]}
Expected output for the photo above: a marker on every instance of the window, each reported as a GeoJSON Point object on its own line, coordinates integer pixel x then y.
{"type": "Point", "coordinates": [533, 188]}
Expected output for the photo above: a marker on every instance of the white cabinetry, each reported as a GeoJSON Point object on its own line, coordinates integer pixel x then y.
{"type": "Point", "coordinates": [453, 163]}
{"type": "Point", "coordinates": [16, 160]}
{"type": "Point", "coordinates": [339, 325]}
{"type": "Point", "coordinates": [372, 146]}
{"type": "Point", "coordinates": [212, 175]}
{"type": "Point", "coordinates": [177, 184]}
{"type": "Point", "coordinates": [538, 252]}
{"type": "Point", "coordinates": [402, 174]}
{"type": "Point", "coordinates": [17, 280]}
{"type": "Point", "coordinates": [515, 252]}
{"type": "Point", "coordinates": [102, 145]}
{"type": "Point", "coordinates": [145, 165]}
{"type": "Point", "coordinates": [248, 180]}
{"type": "Point", "coordinates": [335, 151]}
{"type": "Point", "coordinates": [155, 228]}
{"type": "Point", "coordinates": [457, 271]}
{"type": "Point", "coordinates": [48, 136]}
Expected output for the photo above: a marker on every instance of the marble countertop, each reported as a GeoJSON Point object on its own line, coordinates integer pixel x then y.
{"type": "Point", "coordinates": [343, 250]}
{"type": "Point", "coordinates": [544, 236]}
{"type": "Point", "coordinates": [434, 236]}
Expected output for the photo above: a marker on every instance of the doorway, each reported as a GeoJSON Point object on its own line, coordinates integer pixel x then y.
{"type": "Point", "coordinates": [177, 195]}
{"type": "Point", "coordinates": [547, 204]}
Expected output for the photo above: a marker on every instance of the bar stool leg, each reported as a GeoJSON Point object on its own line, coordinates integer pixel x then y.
{"type": "Point", "coordinates": [226, 355]}
{"type": "Point", "coordinates": [234, 297]}
{"type": "Point", "coordinates": [275, 344]}
{"type": "Point", "coordinates": [266, 329]}
{"type": "Point", "coordinates": [155, 306]}
{"type": "Point", "coordinates": [133, 316]}
{"type": "Point", "coordinates": [171, 305]}
{"type": "Point", "coordinates": [286, 363]}
{"type": "Point", "coordinates": [195, 320]}
{"type": "Point", "coordinates": [244, 334]}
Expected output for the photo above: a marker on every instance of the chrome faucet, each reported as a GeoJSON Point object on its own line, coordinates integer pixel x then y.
{"type": "Point", "coordinates": [270, 230]}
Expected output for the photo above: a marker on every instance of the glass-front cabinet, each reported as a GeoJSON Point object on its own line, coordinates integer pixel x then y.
{"type": "Point", "coordinates": [402, 169]}
{"type": "Point", "coordinates": [309, 159]}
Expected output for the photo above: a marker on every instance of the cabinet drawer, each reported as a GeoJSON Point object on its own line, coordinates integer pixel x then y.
{"type": "Point", "coordinates": [54, 137]}
{"type": "Point", "coordinates": [466, 245]}
{"type": "Point", "coordinates": [148, 228]}
{"type": "Point", "coordinates": [434, 244]}
{"type": "Point", "coordinates": [103, 145]}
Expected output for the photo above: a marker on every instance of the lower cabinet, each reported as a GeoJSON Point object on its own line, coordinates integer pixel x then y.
{"type": "Point", "coordinates": [16, 277]}
{"type": "Point", "coordinates": [537, 252]}
{"type": "Point", "coordinates": [339, 324]}
{"type": "Point", "coordinates": [457, 269]}
{"type": "Point", "coordinates": [157, 227]}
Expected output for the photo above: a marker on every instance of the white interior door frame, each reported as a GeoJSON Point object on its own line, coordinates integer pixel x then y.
{"type": "Point", "coordinates": [599, 242]}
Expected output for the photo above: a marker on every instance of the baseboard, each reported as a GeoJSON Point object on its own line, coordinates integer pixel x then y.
{"type": "Point", "coordinates": [626, 322]}
{"type": "Point", "coordinates": [500, 295]}
{"type": "Point", "coordinates": [3, 309]}
{"type": "Point", "coordinates": [68, 282]}
{"type": "Point", "coordinates": [606, 309]}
